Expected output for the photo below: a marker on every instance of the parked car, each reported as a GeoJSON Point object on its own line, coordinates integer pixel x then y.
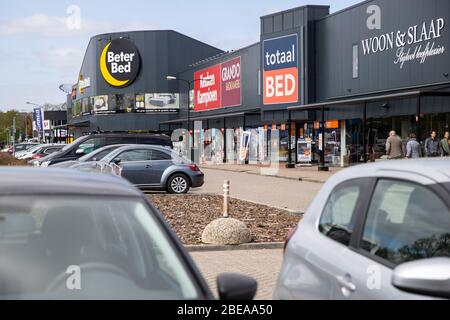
{"type": "Point", "coordinates": [20, 154]}
{"type": "Point", "coordinates": [152, 167]}
{"type": "Point", "coordinates": [96, 155]}
{"type": "Point", "coordinates": [379, 231]}
{"type": "Point", "coordinates": [40, 151]}
{"type": "Point", "coordinates": [93, 236]}
{"type": "Point", "coordinates": [48, 150]}
{"type": "Point", "coordinates": [86, 144]}
{"type": "Point", "coordinates": [22, 147]}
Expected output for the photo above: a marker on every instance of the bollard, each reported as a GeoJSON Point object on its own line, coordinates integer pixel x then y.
{"type": "Point", "coordinates": [226, 197]}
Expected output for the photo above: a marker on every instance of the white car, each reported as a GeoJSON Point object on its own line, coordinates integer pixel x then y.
{"type": "Point", "coordinates": [27, 154]}
{"type": "Point", "coordinates": [379, 231]}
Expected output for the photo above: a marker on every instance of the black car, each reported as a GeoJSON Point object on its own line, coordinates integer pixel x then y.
{"type": "Point", "coordinates": [86, 144]}
{"type": "Point", "coordinates": [70, 235]}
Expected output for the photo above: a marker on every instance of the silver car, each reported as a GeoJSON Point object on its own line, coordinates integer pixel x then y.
{"type": "Point", "coordinates": [95, 155]}
{"type": "Point", "coordinates": [379, 231]}
{"type": "Point", "coordinates": [151, 167]}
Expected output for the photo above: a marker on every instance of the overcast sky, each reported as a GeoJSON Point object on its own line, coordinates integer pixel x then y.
{"type": "Point", "coordinates": [39, 50]}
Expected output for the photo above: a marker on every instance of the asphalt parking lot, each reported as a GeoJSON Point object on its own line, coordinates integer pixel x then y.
{"type": "Point", "coordinates": [282, 193]}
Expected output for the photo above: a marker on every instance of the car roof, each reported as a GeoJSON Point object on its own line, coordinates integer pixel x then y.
{"type": "Point", "coordinates": [52, 181]}
{"type": "Point", "coordinates": [126, 134]}
{"type": "Point", "coordinates": [436, 169]}
{"type": "Point", "coordinates": [144, 146]}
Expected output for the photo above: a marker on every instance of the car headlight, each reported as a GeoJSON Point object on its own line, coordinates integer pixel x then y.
{"type": "Point", "coordinates": [44, 164]}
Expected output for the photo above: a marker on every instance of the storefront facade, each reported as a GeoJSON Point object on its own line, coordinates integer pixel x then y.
{"type": "Point", "coordinates": [383, 65]}
{"type": "Point", "coordinates": [122, 83]}
{"type": "Point", "coordinates": [328, 87]}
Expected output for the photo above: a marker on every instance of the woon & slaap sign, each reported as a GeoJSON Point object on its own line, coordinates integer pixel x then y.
{"type": "Point", "coordinates": [415, 44]}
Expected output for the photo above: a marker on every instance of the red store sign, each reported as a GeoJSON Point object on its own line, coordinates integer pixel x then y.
{"type": "Point", "coordinates": [218, 86]}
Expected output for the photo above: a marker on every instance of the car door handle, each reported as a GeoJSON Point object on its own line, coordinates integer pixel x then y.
{"type": "Point", "coordinates": [346, 282]}
{"type": "Point", "coordinates": [148, 166]}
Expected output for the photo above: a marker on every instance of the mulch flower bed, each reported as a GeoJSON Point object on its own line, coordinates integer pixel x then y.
{"type": "Point", "coordinates": [7, 159]}
{"type": "Point", "coordinates": [188, 215]}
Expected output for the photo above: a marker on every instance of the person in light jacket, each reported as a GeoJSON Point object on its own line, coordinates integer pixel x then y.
{"type": "Point", "coordinates": [413, 148]}
{"type": "Point", "coordinates": [394, 146]}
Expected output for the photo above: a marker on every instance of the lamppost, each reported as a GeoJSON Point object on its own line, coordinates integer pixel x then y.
{"type": "Point", "coordinates": [189, 83]}
{"type": "Point", "coordinates": [8, 137]}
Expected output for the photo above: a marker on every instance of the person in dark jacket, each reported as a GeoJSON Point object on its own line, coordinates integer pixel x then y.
{"type": "Point", "coordinates": [445, 147]}
{"type": "Point", "coordinates": [433, 146]}
{"type": "Point", "coordinates": [413, 148]}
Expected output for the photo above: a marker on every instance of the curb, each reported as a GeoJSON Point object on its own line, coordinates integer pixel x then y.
{"type": "Point", "coordinates": [258, 174]}
{"type": "Point", "coordinates": [247, 246]}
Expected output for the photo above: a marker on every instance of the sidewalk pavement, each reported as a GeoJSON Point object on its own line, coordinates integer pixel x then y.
{"type": "Point", "coordinates": [286, 194]}
{"type": "Point", "coordinates": [263, 265]}
{"type": "Point", "coordinates": [307, 174]}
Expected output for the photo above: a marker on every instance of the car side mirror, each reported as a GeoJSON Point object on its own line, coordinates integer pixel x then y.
{"type": "Point", "coordinates": [80, 152]}
{"type": "Point", "coordinates": [116, 161]}
{"type": "Point", "coordinates": [428, 277]}
{"type": "Point", "coordinates": [233, 286]}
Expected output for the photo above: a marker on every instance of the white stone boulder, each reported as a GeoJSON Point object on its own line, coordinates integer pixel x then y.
{"type": "Point", "coordinates": [226, 231]}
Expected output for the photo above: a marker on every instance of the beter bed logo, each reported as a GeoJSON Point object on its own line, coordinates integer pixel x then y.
{"type": "Point", "coordinates": [280, 57]}
{"type": "Point", "coordinates": [120, 63]}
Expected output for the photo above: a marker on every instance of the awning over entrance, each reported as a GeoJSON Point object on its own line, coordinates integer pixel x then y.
{"type": "Point", "coordinates": [208, 117]}
{"type": "Point", "coordinates": [79, 123]}
{"type": "Point", "coordinates": [370, 98]}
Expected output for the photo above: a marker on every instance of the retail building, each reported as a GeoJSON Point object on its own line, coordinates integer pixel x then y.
{"type": "Point", "coordinates": [330, 86]}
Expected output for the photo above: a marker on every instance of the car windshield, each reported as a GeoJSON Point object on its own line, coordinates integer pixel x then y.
{"type": "Point", "coordinates": [34, 148]}
{"type": "Point", "coordinates": [87, 248]}
{"type": "Point", "coordinates": [70, 145]}
{"type": "Point", "coordinates": [22, 147]}
{"type": "Point", "coordinates": [98, 154]}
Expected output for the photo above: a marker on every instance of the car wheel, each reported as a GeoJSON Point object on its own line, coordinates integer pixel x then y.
{"type": "Point", "coordinates": [178, 184]}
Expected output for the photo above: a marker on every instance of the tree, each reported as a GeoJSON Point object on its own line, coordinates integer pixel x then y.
{"type": "Point", "coordinates": [22, 119]}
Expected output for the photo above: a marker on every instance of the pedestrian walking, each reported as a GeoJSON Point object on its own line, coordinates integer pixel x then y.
{"type": "Point", "coordinates": [445, 146]}
{"type": "Point", "coordinates": [433, 146]}
{"type": "Point", "coordinates": [394, 146]}
{"type": "Point", "coordinates": [413, 148]}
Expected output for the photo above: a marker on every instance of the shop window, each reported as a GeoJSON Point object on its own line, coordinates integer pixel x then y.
{"type": "Point", "coordinates": [85, 105]}
{"type": "Point", "coordinates": [355, 61]}
{"type": "Point", "coordinates": [124, 102]}
{"type": "Point", "coordinates": [140, 102]}
{"type": "Point", "coordinates": [76, 108]}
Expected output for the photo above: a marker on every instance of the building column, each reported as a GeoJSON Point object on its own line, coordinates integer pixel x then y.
{"type": "Point", "coordinates": [322, 166]}
{"type": "Point", "coordinates": [343, 143]}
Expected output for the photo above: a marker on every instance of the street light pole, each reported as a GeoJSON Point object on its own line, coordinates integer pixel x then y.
{"type": "Point", "coordinates": [189, 83]}
{"type": "Point", "coordinates": [14, 137]}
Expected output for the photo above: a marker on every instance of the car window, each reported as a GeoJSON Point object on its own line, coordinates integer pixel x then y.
{"type": "Point", "coordinates": [100, 155]}
{"type": "Point", "coordinates": [406, 222]}
{"type": "Point", "coordinates": [118, 245]}
{"type": "Point", "coordinates": [337, 220]}
{"type": "Point", "coordinates": [134, 155]}
{"type": "Point", "coordinates": [51, 150]}
{"type": "Point", "coordinates": [159, 155]}
{"type": "Point", "coordinates": [91, 144]}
